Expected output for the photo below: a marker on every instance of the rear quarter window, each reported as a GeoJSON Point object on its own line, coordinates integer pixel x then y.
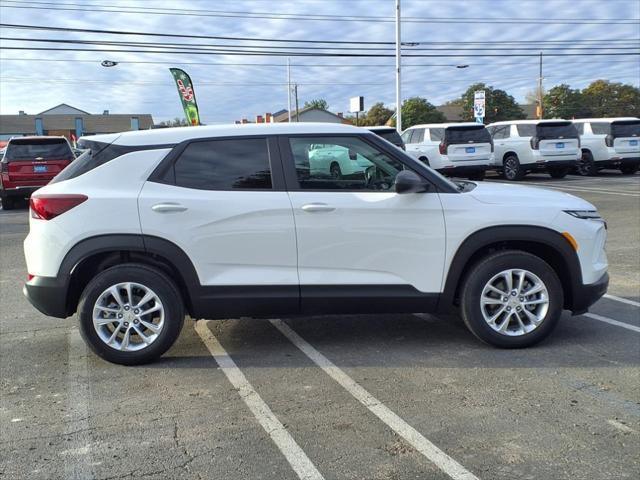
{"type": "Point", "coordinates": [526, 129]}
{"type": "Point", "coordinates": [436, 134]}
{"type": "Point", "coordinates": [601, 128]}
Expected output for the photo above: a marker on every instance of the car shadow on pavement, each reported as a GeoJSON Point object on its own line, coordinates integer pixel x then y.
{"type": "Point", "coordinates": [423, 341]}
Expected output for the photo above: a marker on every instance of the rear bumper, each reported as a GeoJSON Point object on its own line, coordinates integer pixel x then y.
{"type": "Point", "coordinates": [617, 161]}
{"type": "Point", "coordinates": [586, 295]}
{"type": "Point", "coordinates": [543, 166]}
{"type": "Point", "coordinates": [464, 169]}
{"type": "Point", "coordinates": [48, 295]}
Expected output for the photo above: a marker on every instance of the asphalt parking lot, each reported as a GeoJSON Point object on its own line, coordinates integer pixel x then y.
{"type": "Point", "coordinates": [356, 397]}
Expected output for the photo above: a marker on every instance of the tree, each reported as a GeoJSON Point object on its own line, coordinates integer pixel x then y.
{"type": "Point", "coordinates": [378, 114]}
{"type": "Point", "coordinates": [564, 102]}
{"type": "Point", "coordinates": [176, 122]}
{"type": "Point", "coordinates": [417, 110]}
{"type": "Point", "coordinates": [499, 105]}
{"type": "Point", "coordinates": [611, 99]}
{"type": "Point", "coordinates": [319, 103]}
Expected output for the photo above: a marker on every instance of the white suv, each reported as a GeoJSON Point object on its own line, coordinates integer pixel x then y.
{"type": "Point", "coordinates": [455, 149]}
{"type": "Point", "coordinates": [523, 146]}
{"type": "Point", "coordinates": [609, 143]}
{"type": "Point", "coordinates": [223, 221]}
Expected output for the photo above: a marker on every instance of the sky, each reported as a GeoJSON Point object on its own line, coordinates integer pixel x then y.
{"type": "Point", "coordinates": [34, 81]}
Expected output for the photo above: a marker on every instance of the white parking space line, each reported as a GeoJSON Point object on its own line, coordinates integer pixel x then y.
{"type": "Point", "coordinates": [443, 461]}
{"type": "Point", "coordinates": [296, 457]}
{"type": "Point", "coordinates": [77, 464]}
{"type": "Point", "coordinates": [611, 321]}
{"type": "Point", "coordinates": [622, 300]}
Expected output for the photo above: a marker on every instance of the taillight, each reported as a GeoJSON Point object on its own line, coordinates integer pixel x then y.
{"type": "Point", "coordinates": [608, 140]}
{"type": "Point", "coordinates": [46, 207]}
{"type": "Point", "coordinates": [535, 143]}
{"type": "Point", "coordinates": [443, 148]}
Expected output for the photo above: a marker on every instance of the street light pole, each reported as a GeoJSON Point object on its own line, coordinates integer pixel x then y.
{"type": "Point", "coordinates": [398, 58]}
{"type": "Point", "coordinates": [540, 112]}
{"type": "Point", "coordinates": [289, 88]}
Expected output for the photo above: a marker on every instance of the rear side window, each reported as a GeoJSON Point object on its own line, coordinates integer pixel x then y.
{"type": "Point", "coordinates": [436, 134]}
{"type": "Point", "coordinates": [626, 129]}
{"type": "Point", "coordinates": [502, 131]}
{"type": "Point", "coordinates": [418, 135]}
{"type": "Point", "coordinates": [41, 149]}
{"type": "Point", "coordinates": [96, 154]}
{"type": "Point", "coordinates": [477, 134]}
{"type": "Point", "coordinates": [556, 130]}
{"type": "Point", "coordinates": [526, 129]}
{"type": "Point", "coordinates": [601, 128]}
{"type": "Point", "coordinates": [579, 128]}
{"type": "Point", "coordinates": [224, 165]}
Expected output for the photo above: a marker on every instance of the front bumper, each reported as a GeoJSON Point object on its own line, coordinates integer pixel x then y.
{"type": "Point", "coordinates": [586, 295]}
{"type": "Point", "coordinates": [48, 295]}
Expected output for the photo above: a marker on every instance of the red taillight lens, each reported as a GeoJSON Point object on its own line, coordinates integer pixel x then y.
{"type": "Point", "coordinates": [608, 140]}
{"type": "Point", "coordinates": [443, 148]}
{"type": "Point", "coordinates": [46, 207]}
{"type": "Point", "coordinates": [30, 277]}
{"type": "Point", "coordinates": [535, 143]}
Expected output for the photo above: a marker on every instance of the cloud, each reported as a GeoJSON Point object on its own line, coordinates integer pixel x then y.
{"type": "Point", "coordinates": [227, 92]}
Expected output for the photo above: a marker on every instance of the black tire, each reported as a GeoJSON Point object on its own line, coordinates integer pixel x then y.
{"type": "Point", "coordinates": [154, 279]}
{"type": "Point", "coordinates": [8, 203]}
{"type": "Point", "coordinates": [483, 271]}
{"type": "Point", "coordinates": [586, 166]}
{"type": "Point", "coordinates": [477, 176]}
{"type": "Point", "coordinates": [512, 169]}
{"type": "Point", "coordinates": [335, 170]}
{"type": "Point", "coordinates": [559, 172]}
{"type": "Point", "coordinates": [630, 169]}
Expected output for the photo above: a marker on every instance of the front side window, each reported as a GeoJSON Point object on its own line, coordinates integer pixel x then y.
{"type": "Point", "coordinates": [406, 136]}
{"type": "Point", "coordinates": [418, 135]}
{"type": "Point", "coordinates": [343, 163]}
{"type": "Point", "coordinates": [224, 165]}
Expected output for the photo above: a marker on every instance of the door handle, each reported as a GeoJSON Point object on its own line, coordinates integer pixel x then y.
{"type": "Point", "coordinates": [168, 207]}
{"type": "Point", "coordinates": [317, 207]}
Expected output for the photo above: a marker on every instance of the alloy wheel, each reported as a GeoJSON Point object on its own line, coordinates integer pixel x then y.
{"type": "Point", "coordinates": [514, 302]}
{"type": "Point", "coordinates": [128, 316]}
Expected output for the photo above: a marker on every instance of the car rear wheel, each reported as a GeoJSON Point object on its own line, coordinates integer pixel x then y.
{"type": "Point", "coordinates": [586, 166]}
{"type": "Point", "coordinates": [130, 314]}
{"type": "Point", "coordinates": [511, 299]}
{"type": "Point", "coordinates": [512, 168]}
{"type": "Point", "coordinates": [8, 203]}
{"type": "Point", "coordinates": [630, 169]}
{"type": "Point", "coordinates": [558, 172]}
{"type": "Point", "coordinates": [335, 171]}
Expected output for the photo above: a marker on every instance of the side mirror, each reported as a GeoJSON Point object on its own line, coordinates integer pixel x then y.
{"type": "Point", "coordinates": [409, 182]}
{"type": "Point", "coordinates": [353, 155]}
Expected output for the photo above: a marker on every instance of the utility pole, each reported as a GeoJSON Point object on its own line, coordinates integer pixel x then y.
{"type": "Point", "coordinates": [295, 89]}
{"type": "Point", "coordinates": [540, 112]}
{"type": "Point", "coordinates": [398, 58]}
{"type": "Point", "coordinates": [289, 88]}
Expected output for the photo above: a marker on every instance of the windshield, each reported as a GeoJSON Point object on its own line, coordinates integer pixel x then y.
{"type": "Point", "coordinates": [477, 134]}
{"type": "Point", "coordinates": [50, 149]}
{"type": "Point", "coordinates": [629, 128]}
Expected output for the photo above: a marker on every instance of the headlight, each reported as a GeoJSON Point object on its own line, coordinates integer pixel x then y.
{"type": "Point", "coordinates": [585, 214]}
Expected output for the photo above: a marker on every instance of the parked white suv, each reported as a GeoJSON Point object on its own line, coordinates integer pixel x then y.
{"type": "Point", "coordinates": [223, 221]}
{"type": "Point", "coordinates": [609, 143]}
{"type": "Point", "coordinates": [523, 146]}
{"type": "Point", "coordinates": [455, 149]}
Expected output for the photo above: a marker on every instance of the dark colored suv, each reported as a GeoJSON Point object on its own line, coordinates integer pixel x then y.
{"type": "Point", "coordinates": [30, 163]}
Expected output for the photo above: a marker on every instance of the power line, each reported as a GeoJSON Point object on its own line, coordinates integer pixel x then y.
{"type": "Point", "coordinates": [280, 40]}
{"type": "Point", "coordinates": [320, 54]}
{"type": "Point", "coordinates": [314, 17]}
{"type": "Point", "coordinates": [223, 47]}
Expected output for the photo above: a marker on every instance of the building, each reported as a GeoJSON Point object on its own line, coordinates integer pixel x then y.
{"type": "Point", "coordinates": [70, 122]}
{"type": "Point", "coordinates": [309, 114]}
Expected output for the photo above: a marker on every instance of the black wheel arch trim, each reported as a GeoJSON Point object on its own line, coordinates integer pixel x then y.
{"type": "Point", "coordinates": [500, 237]}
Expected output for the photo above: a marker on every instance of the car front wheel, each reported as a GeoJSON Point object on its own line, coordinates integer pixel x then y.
{"type": "Point", "coordinates": [130, 314]}
{"type": "Point", "coordinates": [511, 299]}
